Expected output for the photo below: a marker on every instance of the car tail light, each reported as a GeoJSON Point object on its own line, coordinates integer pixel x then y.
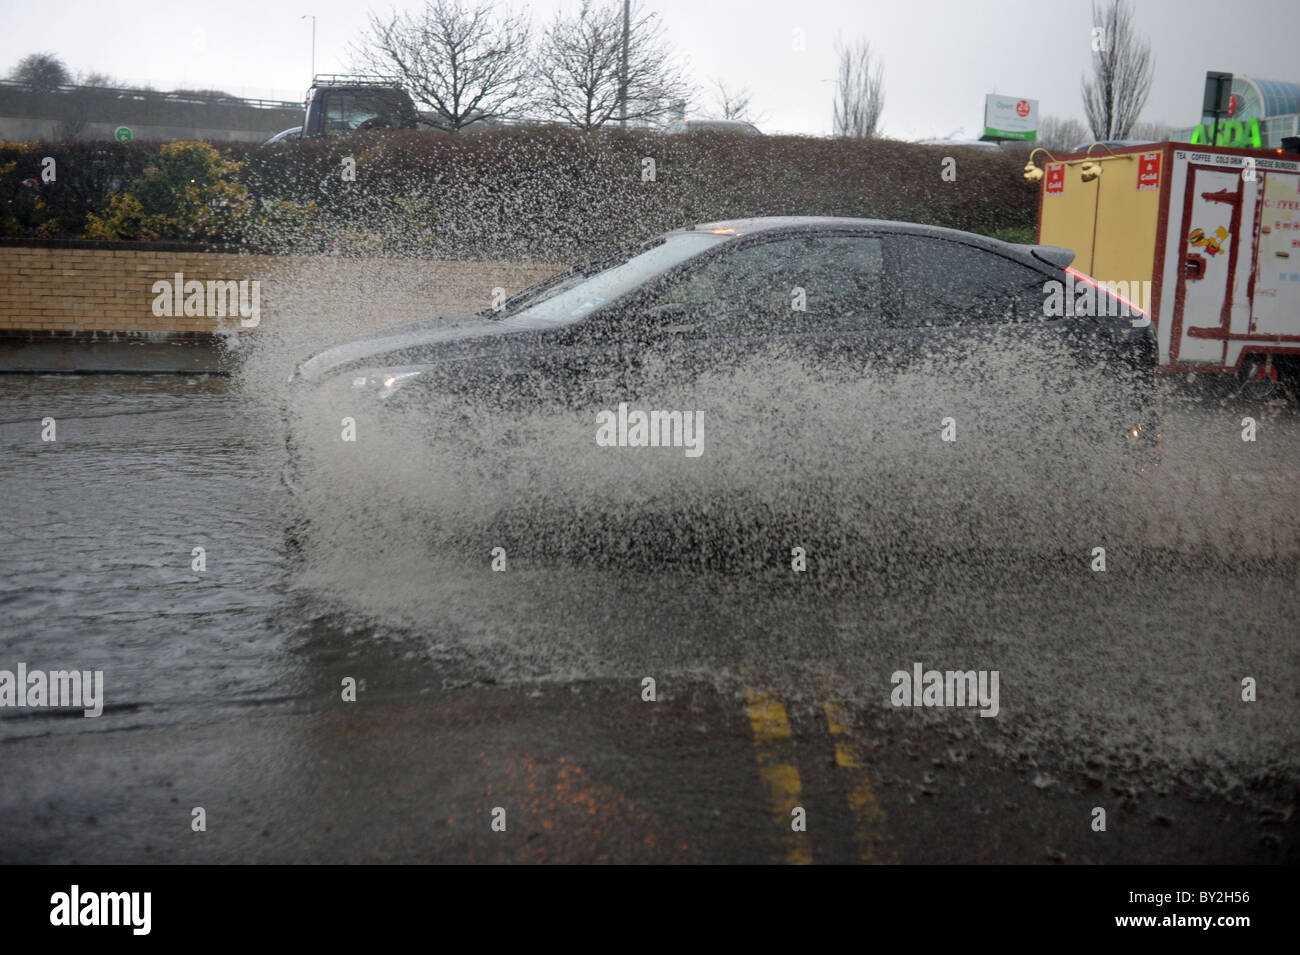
{"type": "Point", "coordinates": [1127, 308]}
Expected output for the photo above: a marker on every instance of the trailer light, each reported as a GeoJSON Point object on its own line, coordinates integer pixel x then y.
{"type": "Point", "coordinates": [1090, 171]}
{"type": "Point", "coordinates": [1034, 173]}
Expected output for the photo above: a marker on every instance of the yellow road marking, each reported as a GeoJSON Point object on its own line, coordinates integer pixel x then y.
{"type": "Point", "coordinates": [776, 770]}
{"type": "Point", "coordinates": [767, 716]}
{"type": "Point", "coordinates": [868, 815]}
{"type": "Point", "coordinates": [845, 758]}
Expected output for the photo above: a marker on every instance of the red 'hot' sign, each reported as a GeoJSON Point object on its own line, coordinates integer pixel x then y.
{"type": "Point", "coordinates": [1055, 183]}
{"type": "Point", "coordinates": [1148, 171]}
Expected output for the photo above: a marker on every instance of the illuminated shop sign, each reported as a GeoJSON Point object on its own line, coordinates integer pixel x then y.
{"type": "Point", "coordinates": [1242, 134]}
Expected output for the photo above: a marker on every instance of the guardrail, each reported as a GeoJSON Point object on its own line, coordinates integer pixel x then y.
{"type": "Point", "coordinates": [155, 96]}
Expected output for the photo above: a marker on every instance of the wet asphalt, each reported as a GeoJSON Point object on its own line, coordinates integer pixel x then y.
{"type": "Point", "coordinates": [509, 721]}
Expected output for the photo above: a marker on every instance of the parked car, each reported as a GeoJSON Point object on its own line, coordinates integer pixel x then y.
{"type": "Point", "coordinates": [1111, 143]}
{"type": "Point", "coordinates": [712, 295]}
{"type": "Point", "coordinates": [712, 126]}
{"type": "Point", "coordinates": [338, 104]}
{"type": "Point", "coordinates": [293, 132]}
{"type": "Point", "coordinates": [966, 143]}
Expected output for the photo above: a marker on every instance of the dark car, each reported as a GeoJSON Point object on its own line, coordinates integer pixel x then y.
{"type": "Point", "coordinates": [339, 104]}
{"type": "Point", "coordinates": [849, 294]}
{"type": "Point", "coordinates": [1110, 143]}
{"type": "Point", "coordinates": [712, 126]}
{"type": "Point", "coordinates": [964, 144]}
{"type": "Point", "coordinates": [292, 133]}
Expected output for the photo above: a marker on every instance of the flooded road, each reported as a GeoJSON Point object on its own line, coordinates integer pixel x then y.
{"type": "Point", "coordinates": [521, 697]}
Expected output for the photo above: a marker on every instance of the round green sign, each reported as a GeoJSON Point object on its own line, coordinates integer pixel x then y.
{"type": "Point", "coordinates": [122, 134]}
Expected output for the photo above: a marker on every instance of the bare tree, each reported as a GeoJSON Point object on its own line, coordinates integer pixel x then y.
{"type": "Point", "coordinates": [1151, 131]}
{"type": "Point", "coordinates": [859, 92]}
{"type": "Point", "coordinates": [466, 62]}
{"type": "Point", "coordinates": [41, 72]}
{"type": "Point", "coordinates": [579, 69]}
{"type": "Point", "coordinates": [81, 107]}
{"type": "Point", "coordinates": [1121, 70]}
{"type": "Point", "coordinates": [735, 104]}
{"type": "Point", "coordinates": [1058, 135]}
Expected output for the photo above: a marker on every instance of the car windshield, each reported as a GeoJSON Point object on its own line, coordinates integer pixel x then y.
{"type": "Point", "coordinates": [582, 292]}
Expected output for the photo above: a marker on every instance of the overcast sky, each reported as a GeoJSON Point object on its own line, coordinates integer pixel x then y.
{"type": "Point", "coordinates": [940, 56]}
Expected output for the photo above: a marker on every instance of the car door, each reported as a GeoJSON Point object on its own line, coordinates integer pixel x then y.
{"type": "Point", "coordinates": [575, 364]}
{"type": "Point", "coordinates": [579, 364]}
{"type": "Point", "coordinates": [835, 305]}
{"type": "Point", "coordinates": [784, 295]}
{"type": "Point", "coordinates": [947, 298]}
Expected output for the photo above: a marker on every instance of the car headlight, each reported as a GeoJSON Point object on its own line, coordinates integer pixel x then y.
{"type": "Point", "coordinates": [382, 383]}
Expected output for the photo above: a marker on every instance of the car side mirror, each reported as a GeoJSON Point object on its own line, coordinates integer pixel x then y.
{"type": "Point", "coordinates": [668, 312]}
{"type": "Point", "coordinates": [672, 317]}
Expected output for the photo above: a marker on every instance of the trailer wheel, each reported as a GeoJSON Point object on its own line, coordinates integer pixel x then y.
{"type": "Point", "coordinates": [1260, 390]}
{"type": "Point", "coordinates": [1260, 382]}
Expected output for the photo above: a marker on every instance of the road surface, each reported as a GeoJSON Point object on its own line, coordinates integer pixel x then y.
{"type": "Point", "coordinates": [503, 715]}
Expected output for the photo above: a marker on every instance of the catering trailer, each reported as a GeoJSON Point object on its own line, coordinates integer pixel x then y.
{"type": "Point", "coordinates": [1205, 240]}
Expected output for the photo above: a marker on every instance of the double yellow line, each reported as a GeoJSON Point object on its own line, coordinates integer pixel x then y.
{"type": "Point", "coordinates": [868, 815]}
{"type": "Point", "coordinates": [773, 747]}
{"type": "Point", "coordinates": [774, 751]}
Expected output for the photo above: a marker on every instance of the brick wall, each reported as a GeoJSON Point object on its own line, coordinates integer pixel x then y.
{"type": "Point", "coordinates": [93, 292]}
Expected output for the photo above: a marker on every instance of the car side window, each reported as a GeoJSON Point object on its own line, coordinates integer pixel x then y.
{"type": "Point", "coordinates": [806, 283]}
{"type": "Point", "coordinates": [338, 112]}
{"type": "Point", "coordinates": [942, 282]}
{"type": "Point", "coordinates": [346, 110]}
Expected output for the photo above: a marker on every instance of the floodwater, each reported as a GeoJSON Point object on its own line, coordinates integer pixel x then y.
{"type": "Point", "coordinates": [978, 561]}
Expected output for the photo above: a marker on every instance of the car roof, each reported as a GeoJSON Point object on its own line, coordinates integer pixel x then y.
{"type": "Point", "coordinates": [284, 134]}
{"type": "Point", "coordinates": [1083, 147]}
{"type": "Point", "coordinates": [1052, 256]}
{"type": "Point", "coordinates": [973, 143]}
{"type": "Point", "coordinates": [717, 125]}
{"type": "Point", "coordinates": [767, 223]}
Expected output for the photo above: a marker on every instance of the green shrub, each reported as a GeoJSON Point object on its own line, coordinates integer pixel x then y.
{"type": "Point", "coordinates": [186, 194]}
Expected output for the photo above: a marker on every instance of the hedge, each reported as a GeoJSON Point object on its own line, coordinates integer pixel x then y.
{"type": "Point", "coordinates": [532, 193]}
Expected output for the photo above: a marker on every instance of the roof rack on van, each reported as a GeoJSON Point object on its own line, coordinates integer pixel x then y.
{"type": "Point", "coordinates": [354, 79]}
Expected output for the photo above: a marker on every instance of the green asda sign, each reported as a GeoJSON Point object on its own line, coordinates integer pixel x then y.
{"type": "Point", "coordinates": [1242, 134]}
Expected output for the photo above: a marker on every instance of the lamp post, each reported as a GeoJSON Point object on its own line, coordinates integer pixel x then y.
{"type": "Point", "coordinates": [622, 71]}
{"type": "Point", "coordinates": [308, 16]}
